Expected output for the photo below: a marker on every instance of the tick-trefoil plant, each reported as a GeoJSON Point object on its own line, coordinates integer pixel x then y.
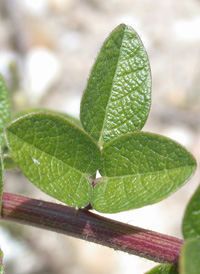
{"type": "Point", "coordinates": [61, 156]}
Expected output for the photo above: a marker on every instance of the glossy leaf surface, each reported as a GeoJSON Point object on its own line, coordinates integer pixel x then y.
{"type": "Point", "coordinates": [163, 269]}
{"type": "Point", "coordinates": [139, 169]}
{"type": "Point", "coordinates": [5, 112]}
{"type": "Point", "coordinates": [117, 98]}
{"type": "Point", "coordinates": [191, 220]}
{"type": "Point", "coordinates": [189, 259]}
{"type": "Point", "coordinates": [45, 110]}
{"type": "Point", "coordinates": [55, 155]}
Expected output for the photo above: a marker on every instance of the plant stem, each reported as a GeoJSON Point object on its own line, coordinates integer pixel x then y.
{"type": "Point", "coordinates": [91, 227]}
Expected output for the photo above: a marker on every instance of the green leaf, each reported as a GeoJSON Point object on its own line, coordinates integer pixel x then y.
{"type": "Point", "coordinates": [45, 110]}
{"type": "Point", "coordinates": [163, 269]}
{"type": "Point", "coordinates": [1, 263]}
{"type": "Point", "coordinates": [139, 169]}
{"type": "Point", "coordinates": [8, 162]}
{"type": "Point", "coordinates": [189, 259]}
{"type": "Point", "coordinates": [117, 98]}
{"type": "Point", "coordinates": [5, 111]}
{"type": "Point", "coordinates": [191, 220]}
{"type": "Point", "coordinates": [55, 155]}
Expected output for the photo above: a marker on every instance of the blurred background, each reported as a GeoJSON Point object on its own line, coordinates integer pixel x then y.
{"type": "Point", "coordinates": [47, 48]}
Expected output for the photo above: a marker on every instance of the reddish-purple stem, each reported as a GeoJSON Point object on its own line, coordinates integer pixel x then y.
{"type": "Point", "coordinates": [91, 227]}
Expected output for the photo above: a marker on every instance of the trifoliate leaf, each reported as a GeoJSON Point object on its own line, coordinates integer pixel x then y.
{"type": "Point", "coordinates": [189, 259]}
{"type": "Point", "coordinates": [191, 220]}
{"type": "Point", "coordinates": [139, 169]}
{"type": "Point", "coordinates": [5, 111]}
{"type": "Point", "coordinates": [117, 98]}
{"type": "Point", "coordinates": [55, 155]}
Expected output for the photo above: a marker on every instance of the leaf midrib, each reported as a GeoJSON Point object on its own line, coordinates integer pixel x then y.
{"type": "Point", "coordinates": [102, 130]}
{"type": "Point", "coordinates": [145, 173]}
{"type": "Point", "coordinates": [86, 175]}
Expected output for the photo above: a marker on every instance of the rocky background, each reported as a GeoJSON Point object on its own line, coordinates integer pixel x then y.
{"type": "Point", "coordinates": [47, 48]}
